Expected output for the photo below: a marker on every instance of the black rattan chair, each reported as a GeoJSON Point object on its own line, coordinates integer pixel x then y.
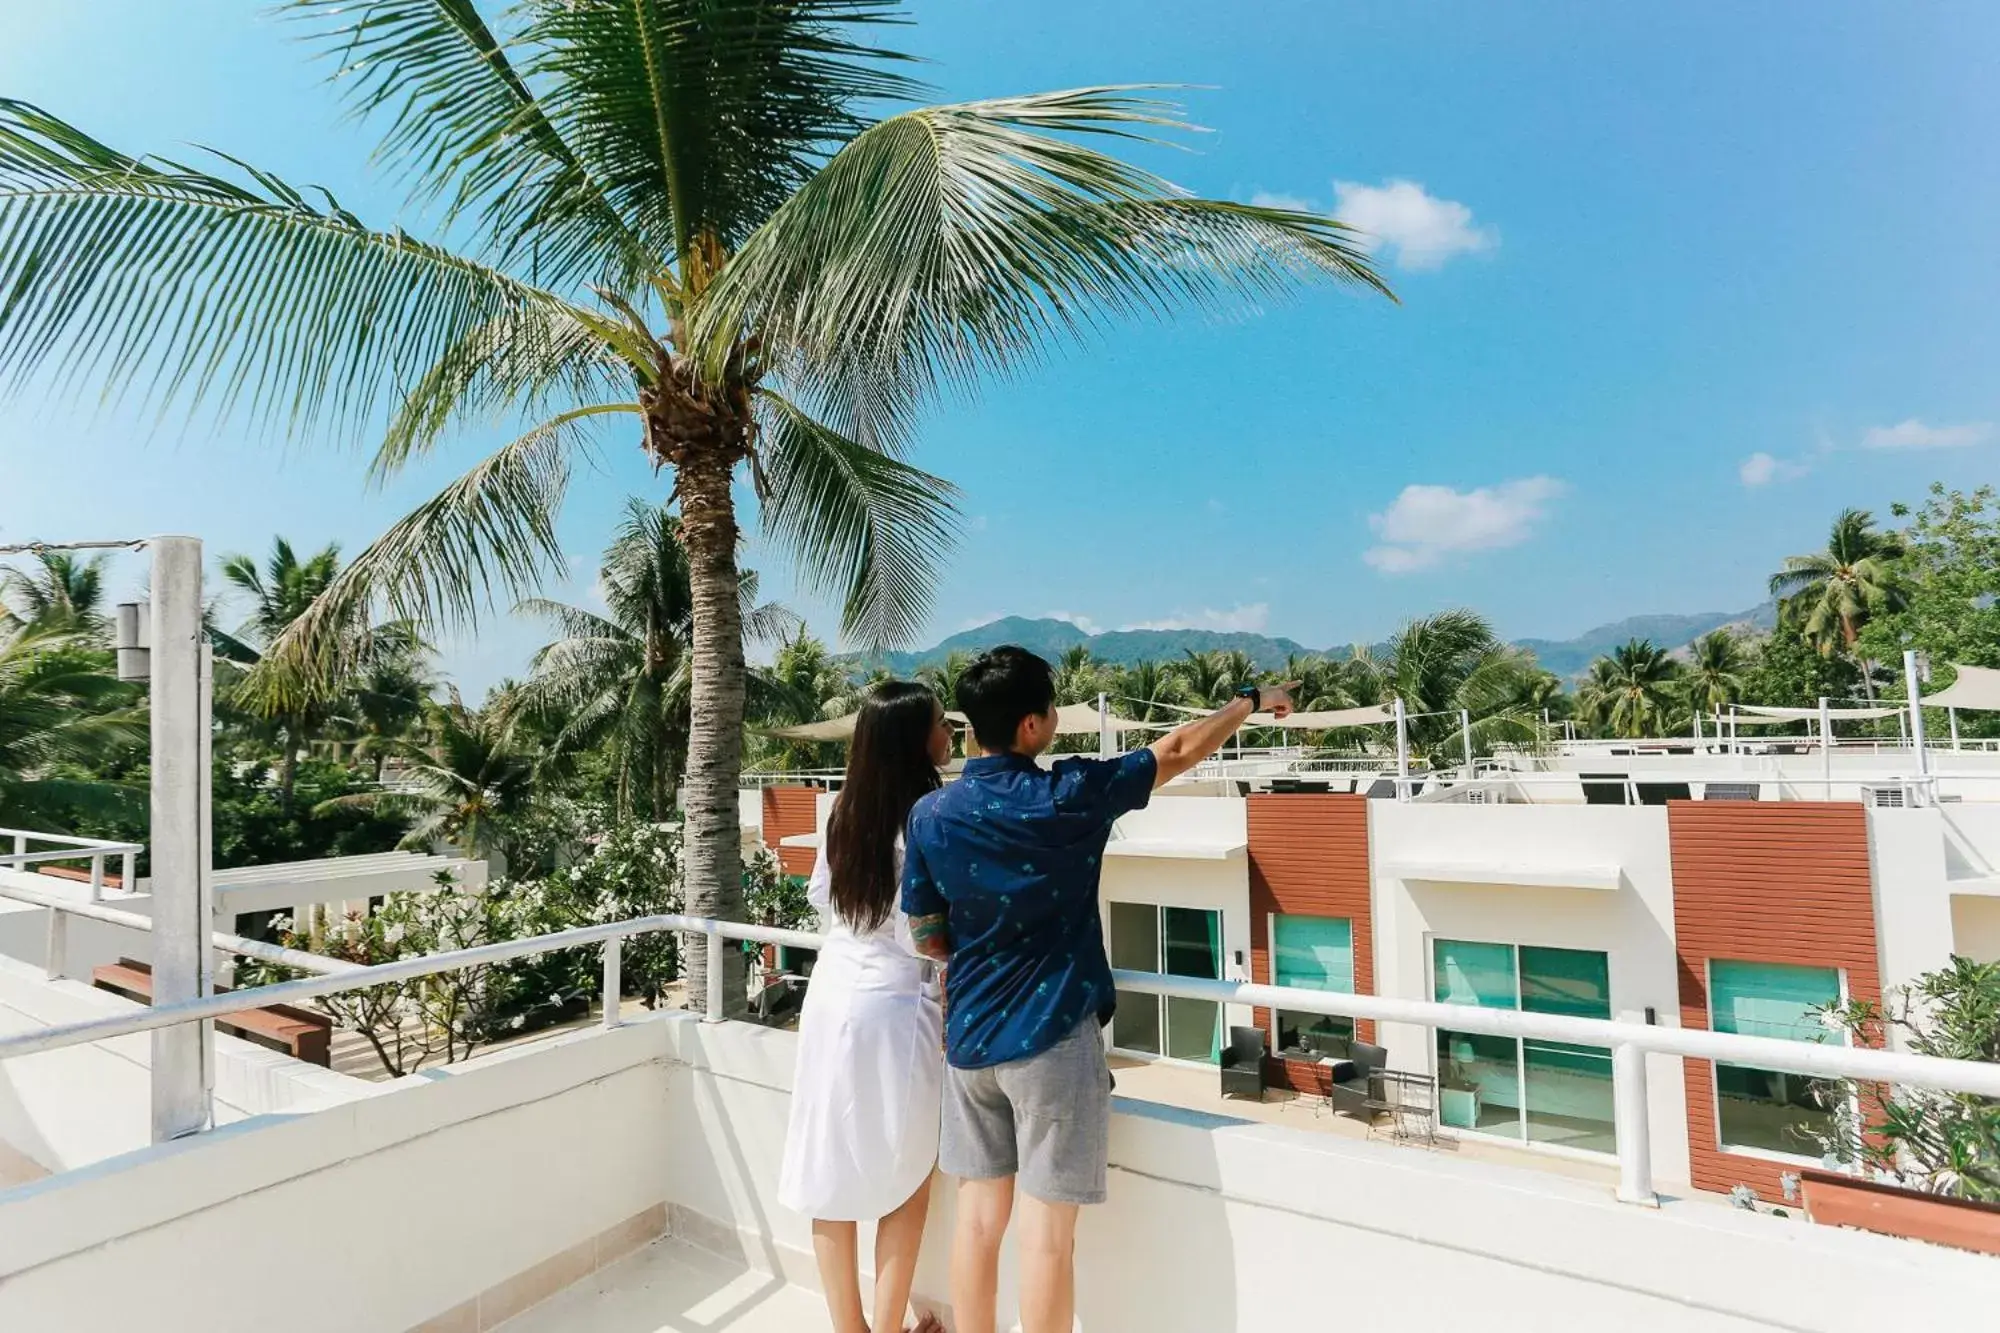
{"type": "Point", "coordinates": [1243, 1064]}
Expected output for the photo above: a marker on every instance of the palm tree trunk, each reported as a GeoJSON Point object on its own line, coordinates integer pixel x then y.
{"type": "Point", "coordinates": [1849, 634]}
{"type": "Point", "coordinates": [712, 846]}
{"type": "Point", "coordinates": [288, 765]}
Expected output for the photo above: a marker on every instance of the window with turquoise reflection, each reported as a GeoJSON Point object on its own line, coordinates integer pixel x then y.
{"type": "Point", "coordinates": [1762, 1109]}
{"type": "Point", "coordinates": [1548, 1092]}
{"type": "Point", "coordinates": [1313, 953]}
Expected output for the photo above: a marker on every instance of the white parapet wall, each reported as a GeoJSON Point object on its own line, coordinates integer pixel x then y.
{"type": "Point", "coordinates": [497, 1180]}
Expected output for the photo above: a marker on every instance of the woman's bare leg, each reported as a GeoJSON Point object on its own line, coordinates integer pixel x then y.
{"type": "Point", "coordinates": [839, 1257]}
{"type": "Point", "coordinates": [898, 1238]}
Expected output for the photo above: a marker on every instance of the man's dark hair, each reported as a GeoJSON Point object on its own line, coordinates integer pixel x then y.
{"type": "Point", "coordinates": [1000, 687]}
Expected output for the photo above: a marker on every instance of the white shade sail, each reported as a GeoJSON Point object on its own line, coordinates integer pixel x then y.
{"type": "Point", "coordinates": [1081, 719]}
{"type": "Point", "coordinates": [1327, 721]}
{"type": "Point", "coordinates": [1975, 687]}
{"type": "Point", "coordinates": [1759, 713]}
{"type": "Point", "coordinates": [839, 729]}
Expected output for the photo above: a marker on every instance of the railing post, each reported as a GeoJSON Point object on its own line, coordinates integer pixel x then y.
{"type": "Point", "coordinates": [20, 847]}
{"type": "Point", "coordinates": [614, 983]}
{"type": "Point", "coordinates": [1630, 1123]}
{"type": "Point", "coordinates": [57, 963]}
{"type": "Point", "coordinates": [126, 865]}
{"type": "Point", "coordinates": [97, 878]}
{"type": "Point", "coordinates": [715, 946]}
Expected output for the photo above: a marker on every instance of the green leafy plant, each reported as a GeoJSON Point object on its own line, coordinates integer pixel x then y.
{"type": "Point", "coordinates": [1938, 1142]}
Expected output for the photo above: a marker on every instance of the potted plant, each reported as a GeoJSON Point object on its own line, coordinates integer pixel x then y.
{"type": "Point", "coordinates": [1920, 1163]}
{"type": "Point", "coordinates": [1458, 1097]}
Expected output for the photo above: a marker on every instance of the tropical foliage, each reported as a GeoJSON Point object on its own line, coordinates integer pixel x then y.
{"type": "Point", "coordinates": [1828, 596]}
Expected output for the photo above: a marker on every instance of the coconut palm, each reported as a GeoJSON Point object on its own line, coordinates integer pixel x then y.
{"type": "Point", "coordinates": [1206, 678]}
{"type": "Point", "coordinates": [1080, 678]}
{"type": "Point", "coordinates": [1714, 674]}
{"type": "Point", "coordinates": [942, 676]}
{"type": "Point", "coordinates": [1630, 692]}
{"type": "Point", "coordinates": [1440, 666]}
{"type": "Point", "coordinates": [1147, 692]}
{"type": "Point", "coordinates": [620, 679]}
{"type": "Point", "coordinates": [678, 214]}
{"type": "Point", "coordinates": [462, 785]}
{"type": "Point", "coordinates": [60, 709]}
{"type": "Point", "coordinates": [806, 683]}
{"type": "Point", "coordinates": [63, 592]}
{"type": "Point", "coordinates": [280, 592]}
{"type": "Point", "coordinates": [1827, 596]}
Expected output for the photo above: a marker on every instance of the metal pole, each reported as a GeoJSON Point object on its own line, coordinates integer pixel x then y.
{"type": "Point", "coordinates": [1465, 730]}
{"type": "Point", "coordinates": [1631, 1127]}
{"type": "Point", "coordinates": [180, 924]}
{"type": "Point", "coordinates": [614, 984]}
{"type": "Point", "coordinates": [1402, 752]}
{"type": "Point", "coordinates": [1103, 726]}
{"type": "Point", "coordinates": [1951, 715]}
{"type": "Point", "coordinates": [57, 962]}
{"type": "Point", "coordinates": [1913, 686]}
{"type": "Point", "coordinates": [714, 947]}
{"type": "Point", "coordinates": [1826, 748]}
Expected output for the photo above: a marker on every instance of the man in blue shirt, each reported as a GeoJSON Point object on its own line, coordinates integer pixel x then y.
{"type": "Point", "coordinates": [1000, 874]}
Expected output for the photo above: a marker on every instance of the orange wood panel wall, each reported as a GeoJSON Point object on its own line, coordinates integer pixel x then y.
{"type": "Point", "coordinates": [789, 811]}
{"type": "Point", "coordinates": [1784, 882]}
{"type": "Point", "coordinates": [1309, 855]}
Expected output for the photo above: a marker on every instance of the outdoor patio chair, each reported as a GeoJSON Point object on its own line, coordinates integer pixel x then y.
{"type": "Point", "coordinates": [1243, 1064]}
{"type": "Point", "coordinates": [1355, 1082]}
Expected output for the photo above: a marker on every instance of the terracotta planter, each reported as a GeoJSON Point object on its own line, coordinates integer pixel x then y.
{"type": "Point", "coordinates": [1848, 1201]}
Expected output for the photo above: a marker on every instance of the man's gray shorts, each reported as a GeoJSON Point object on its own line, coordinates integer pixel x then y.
{"type": "Point", "coordinates": [1045, 1119]}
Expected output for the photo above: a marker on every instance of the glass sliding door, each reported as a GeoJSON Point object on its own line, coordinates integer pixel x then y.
{"type": "Point", "coordinates": [1541, 1091]}
{"type": "Point", "coordinates": [1313, 953]}
{"type": "Point", "coordinates": [1181, 942]}
{"type": "Point", "coordinates": [1135, 946]}
{"type": "Point", "coordinates": [1762, 1109]}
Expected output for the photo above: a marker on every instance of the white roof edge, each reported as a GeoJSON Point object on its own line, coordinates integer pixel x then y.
{"type": "Point", "coordinates": [801, 840]}
{"type": "Point", "coordinates": [1193, 849]}
{"type": "Point", "coordinates": [1600, 877]}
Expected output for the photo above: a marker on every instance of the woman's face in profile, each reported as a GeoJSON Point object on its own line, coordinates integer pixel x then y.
{"type": "Point", "coordinates": [940, 749]}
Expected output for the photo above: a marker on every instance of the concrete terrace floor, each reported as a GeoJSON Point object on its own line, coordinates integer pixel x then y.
{"type": "Point", "coordinates": [671, 1287]}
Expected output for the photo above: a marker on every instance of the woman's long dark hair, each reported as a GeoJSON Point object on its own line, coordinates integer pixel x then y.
{"type": "Point", "coordinates": [888, 767]}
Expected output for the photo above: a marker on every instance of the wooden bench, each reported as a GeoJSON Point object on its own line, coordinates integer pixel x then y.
{"type": "Point", "coordinates": [81, 876]}
{"type": "Point", "coordinates": [299, 1033]}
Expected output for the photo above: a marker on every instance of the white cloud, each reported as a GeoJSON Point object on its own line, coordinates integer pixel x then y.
{"type": "Point", "coordinates": [1249, 618]}
{"type": "Point", "coordinates": [1761, 469]}
{"type": "Point", "coordinates": [1426, 524]}
{"type": "Point", "coordinates": [1082, 622]}
{"type": "Point", "coordinates": [1424, 229]}
{"type": "Point", "coordinates": [1268, 199]}
{"type": "Point", "coordinates": [1915, 434]}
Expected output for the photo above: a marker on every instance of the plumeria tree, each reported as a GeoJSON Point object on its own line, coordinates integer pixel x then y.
{"type": "Point", "coordinates": [720, 224]}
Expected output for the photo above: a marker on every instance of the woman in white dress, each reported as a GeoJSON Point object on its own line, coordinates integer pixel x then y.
{"type": "Point", "coordinates": [863, 1138]}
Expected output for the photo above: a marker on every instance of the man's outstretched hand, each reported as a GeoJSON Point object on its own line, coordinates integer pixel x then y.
{"type": "Point", "coordinates": [1277, 699]}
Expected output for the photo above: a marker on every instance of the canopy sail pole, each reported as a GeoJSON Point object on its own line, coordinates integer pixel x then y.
{"type": "Point", "coordinates": [1826, 747]}
{"type": "Point", "coordinates": [1402, 752]}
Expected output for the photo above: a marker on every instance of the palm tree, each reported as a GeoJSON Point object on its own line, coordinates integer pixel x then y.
{"type": "Point", "coordinates": [281, 592]}
{"type": "Point", "coordinates": [1629, 692]}
{"type": "Point", "coordinates": [1440, 666]}
{"type": "Point", "coordinates": [942, 676]}
{"type": "Point", "coordinates": [1206, 678]}
{"type": "Point", "coordinates": [621, 679]}
{"type": "Point", "coordinates": [1147, 691]}
{"type": "Point", "coordinates": [677, 213]}
{"type": "Point", "coordinates": [1080, 678]}
{"type": "Point", "coordinates": [385, 701]}
{"type": "Point", "coordinates": [806, 683]}
{"type": "Point", "coordinates": [60, 709]}
{"type": "Point", "coordinates": [464, 783]}
{"type": "Point", "coordinates": [66, 592]}
{"type": "Point", "coordinates": [1827, 596]}
{"type": "Point", "coordinates": [1715, 671]}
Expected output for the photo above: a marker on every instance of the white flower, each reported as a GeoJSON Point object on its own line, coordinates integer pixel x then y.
{"type": "Point", "coordinates": [517, 1020]}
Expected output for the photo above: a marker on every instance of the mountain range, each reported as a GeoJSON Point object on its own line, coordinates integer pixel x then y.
{"type": "Point", "coordinates": [1051, 637]}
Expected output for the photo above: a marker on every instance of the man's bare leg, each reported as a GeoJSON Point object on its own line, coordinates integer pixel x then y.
{"type": "Point", "coordinates": [983, 1209]}
{"type": "Point", "coordinates": [838, 1253]}
{"type": "Point", "coordinates": [1048, 1266]}
{"type": "Point", "coordinates": [898, 1238]}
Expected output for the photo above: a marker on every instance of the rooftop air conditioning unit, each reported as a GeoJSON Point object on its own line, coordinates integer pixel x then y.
{"type": "Point", "coordinates": [1476, 796]}
{"type": "Point", "coordinates": [1886, 798]}
{"type": "Point", "coordinates": [1730, 791]}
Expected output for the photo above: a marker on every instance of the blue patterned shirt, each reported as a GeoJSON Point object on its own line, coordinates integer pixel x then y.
{"type": "Point", "coordinates": [1010, 853]}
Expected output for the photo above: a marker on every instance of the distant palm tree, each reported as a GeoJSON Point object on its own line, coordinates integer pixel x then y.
{"type": "Point", "coordinates": [1630, 692]}
{"type": "Point", "coordinates": [463, 784]}
{"type": "Point", "coordinates": [60, 708]}
{"type": "Point", "coordinates": [806, 683]}
{"type": "Point", "coordinates": [280, 592]}
{"type": "Point", "coordinates": [1147, 690]}
{"type": "Point", "coordinates": [1828, 596]}
{"type": "Point", "coordinates": [942, 677]}
{"type": "Point", "coordinates": [1207, 678]}
{"type": "Point", "coordinates": [621, 680]}
{"type": "Point", "coordinates": [714, 220]}
{"type": "Point", "coordinates": [66, 592]}
{"type": "Point", "coordinates": [1441, 664]}
{"type": "Point", "coordinates": [1080, 678]}
{"type": "Point", "coordinates": [1715, 672]}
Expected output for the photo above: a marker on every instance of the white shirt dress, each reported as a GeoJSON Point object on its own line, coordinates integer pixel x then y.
{"type": "Point", "coordinates": [864, 1121]}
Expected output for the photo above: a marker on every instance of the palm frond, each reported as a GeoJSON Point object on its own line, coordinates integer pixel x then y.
{"type": "Point", "coordinates": [950, 241]}
{"type": "Point", "coordinates": [491, 531]}
{"type": "Point", "coordinates": [182, 287]}
{"type": "Point", "coordinates": [700, 117]}
{"type": "Point", "coordinates": [860, 523]}
{"type": "Point", "coordinates": [462, 122]}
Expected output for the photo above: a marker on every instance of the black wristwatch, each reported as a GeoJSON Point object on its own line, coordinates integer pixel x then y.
{"type": "Point", "coordinates": [1253, 694]}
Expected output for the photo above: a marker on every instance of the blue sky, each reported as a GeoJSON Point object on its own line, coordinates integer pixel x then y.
{"type": "Point", "coordinates": [1678, 283]}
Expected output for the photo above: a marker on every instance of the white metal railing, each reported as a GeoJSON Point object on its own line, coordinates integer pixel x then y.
{"type": "Point", "coordinates": [66, 848]}
{"type": "Point", "coordinates": [1629, 1043]}
{"type": "Point", "coordinates": [61, 909]}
